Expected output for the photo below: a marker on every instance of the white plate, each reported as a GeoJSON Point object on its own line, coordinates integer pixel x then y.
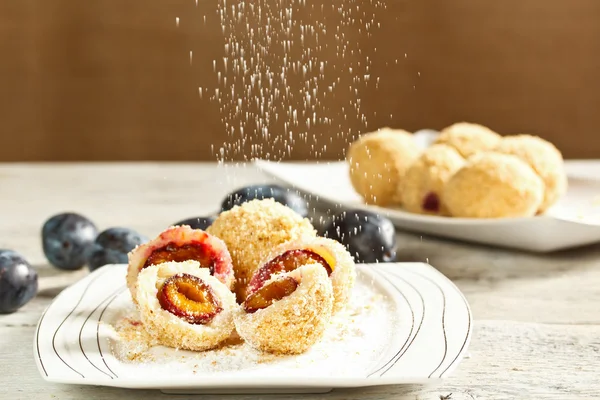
{"type": "Point", "coordinates": [574, 221]}
{"type": "Point", "coordinates": [408, 325]}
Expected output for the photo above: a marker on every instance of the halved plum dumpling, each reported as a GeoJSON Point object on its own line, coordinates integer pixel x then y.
{"type": "Point", "coordinates": [289, 312]}
{"type": "Point", "coordinates": [183, 306]}
{"type": "Point", "coordinates": [178, 244]}
{"type": "Point", "coordinates": [330, 254]}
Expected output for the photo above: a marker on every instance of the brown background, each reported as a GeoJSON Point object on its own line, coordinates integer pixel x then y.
{"type": "Point", "coordinates": [112, 80]}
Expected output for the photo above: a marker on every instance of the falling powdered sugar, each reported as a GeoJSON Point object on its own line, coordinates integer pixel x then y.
{"type": "Point", "coordinates": [291, 72]}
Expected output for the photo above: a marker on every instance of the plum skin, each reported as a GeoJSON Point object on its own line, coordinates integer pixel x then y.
{"type": "Point", "coordinates": [195, 250]}
{"type": "Point", "coordinates": [368, 237]}
{"type": "Point", "coordinates": [287, 197]}
{"type": "Point", "coordinates": [18, 281]}
{"type": "Point", "coordinates": [112, 246]}
{"type": "Point", "coordinates": [66, 239]}
{"type": "Point", "coordinates": [120, 239]}
{"type": "Point", "coordinates": [201, 223]}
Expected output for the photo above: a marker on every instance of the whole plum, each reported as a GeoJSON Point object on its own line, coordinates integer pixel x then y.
{"type": "Point", "coordinates": [197, 222]}
{"type": "Point", "coordinates": [112, 246]}
{"type": "Point", "coordinates": [285, 196]}
{"type": "Point", "coordinates": [369, 237]}
{"type": "Point", "coordinates": [18, 281]}
{"type": "Point", "coordinates": [66, 239]}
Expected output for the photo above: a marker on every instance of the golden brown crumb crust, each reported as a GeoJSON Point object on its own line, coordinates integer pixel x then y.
{"type": "Point", "coordinates": [493, 185]}
{"type": "Point", "coordinates": [428, 175]}
{"type": "Point", "coordinates": [168, 329]}
{"type": "Point", "coordinates": [296, 322]}
{"type": "Point", "coordinates": [545, 159]}
{"type": "Point", "coordinates": [468, 139]}
{"type": "Point", "coordinates": [252, 230]}
{"type": "Point", "coordinates": [378, 161]}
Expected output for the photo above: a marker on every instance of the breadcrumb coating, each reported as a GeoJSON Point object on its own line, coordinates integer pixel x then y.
{"type": "Point", "coordinates": [179, 236]}
{"type": "Point", "coordinates": [468, 139]}
{"type": "Point", "coordinates": [545, 159]}
{"type": "Point", "coordinates": [378, 161]}
{"type": "Point", "coordinates": [343, 275]}
{"type": "Point", "coordinates": [296, 322]}
{"type": "Point", "coordinates": [422, 186]}
{"type": "Point", "coordinates": [172, 331]}
{"type": "Point", "coordinates": [252, 230]}
{"type": "Point", "coordinates": [493, 185]}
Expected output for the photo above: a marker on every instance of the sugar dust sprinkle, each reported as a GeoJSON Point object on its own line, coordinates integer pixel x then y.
{"type": "Point", "coordinates": [280, 72]}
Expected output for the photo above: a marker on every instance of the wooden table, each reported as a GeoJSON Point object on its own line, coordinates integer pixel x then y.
{"type": "Point", "coordinates": [537, 317]}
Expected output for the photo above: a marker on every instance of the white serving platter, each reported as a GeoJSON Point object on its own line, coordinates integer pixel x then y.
{"type": "Point", "coordinates": [406, 324]}
{"type": "Point", "coordinates": [574, 221]}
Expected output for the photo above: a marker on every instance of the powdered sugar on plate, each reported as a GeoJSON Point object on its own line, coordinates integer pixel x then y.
{"type": "Point", "coordinates": [355, 340]}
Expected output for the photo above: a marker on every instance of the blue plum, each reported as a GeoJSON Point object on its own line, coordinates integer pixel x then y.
{"type": "Point", "coordinates": [120, 239]}
{"type": "Point", "coordinates": [369, 237]}
{"type": "Point", "coordinates": [18, 281]}
{"type": "Point", "coordinates": [66, 239]}
{"type": "Point", "coordinates": [197, 222]}
{"type": "Point", "coordinates": [285, 196]}
{"type": "Point", "coordinates": [112, 246]}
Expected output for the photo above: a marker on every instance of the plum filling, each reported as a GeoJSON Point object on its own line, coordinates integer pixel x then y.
{"type": "Point", "coordinates": [189, 298]}
{"type": "Point", "coordinates": [431, 202]}
{"type": "Point", "coordinates": [269, 293]}
{"type": "Point", "coordinates": [286, 262]}
{"type": "Point", "coordinates": [196, 251]}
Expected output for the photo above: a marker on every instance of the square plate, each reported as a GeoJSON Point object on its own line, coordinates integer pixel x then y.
{"type": "Point", "coordinates": [406, 324]}
{"type": "Point", "coordinates": [574, 221]}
